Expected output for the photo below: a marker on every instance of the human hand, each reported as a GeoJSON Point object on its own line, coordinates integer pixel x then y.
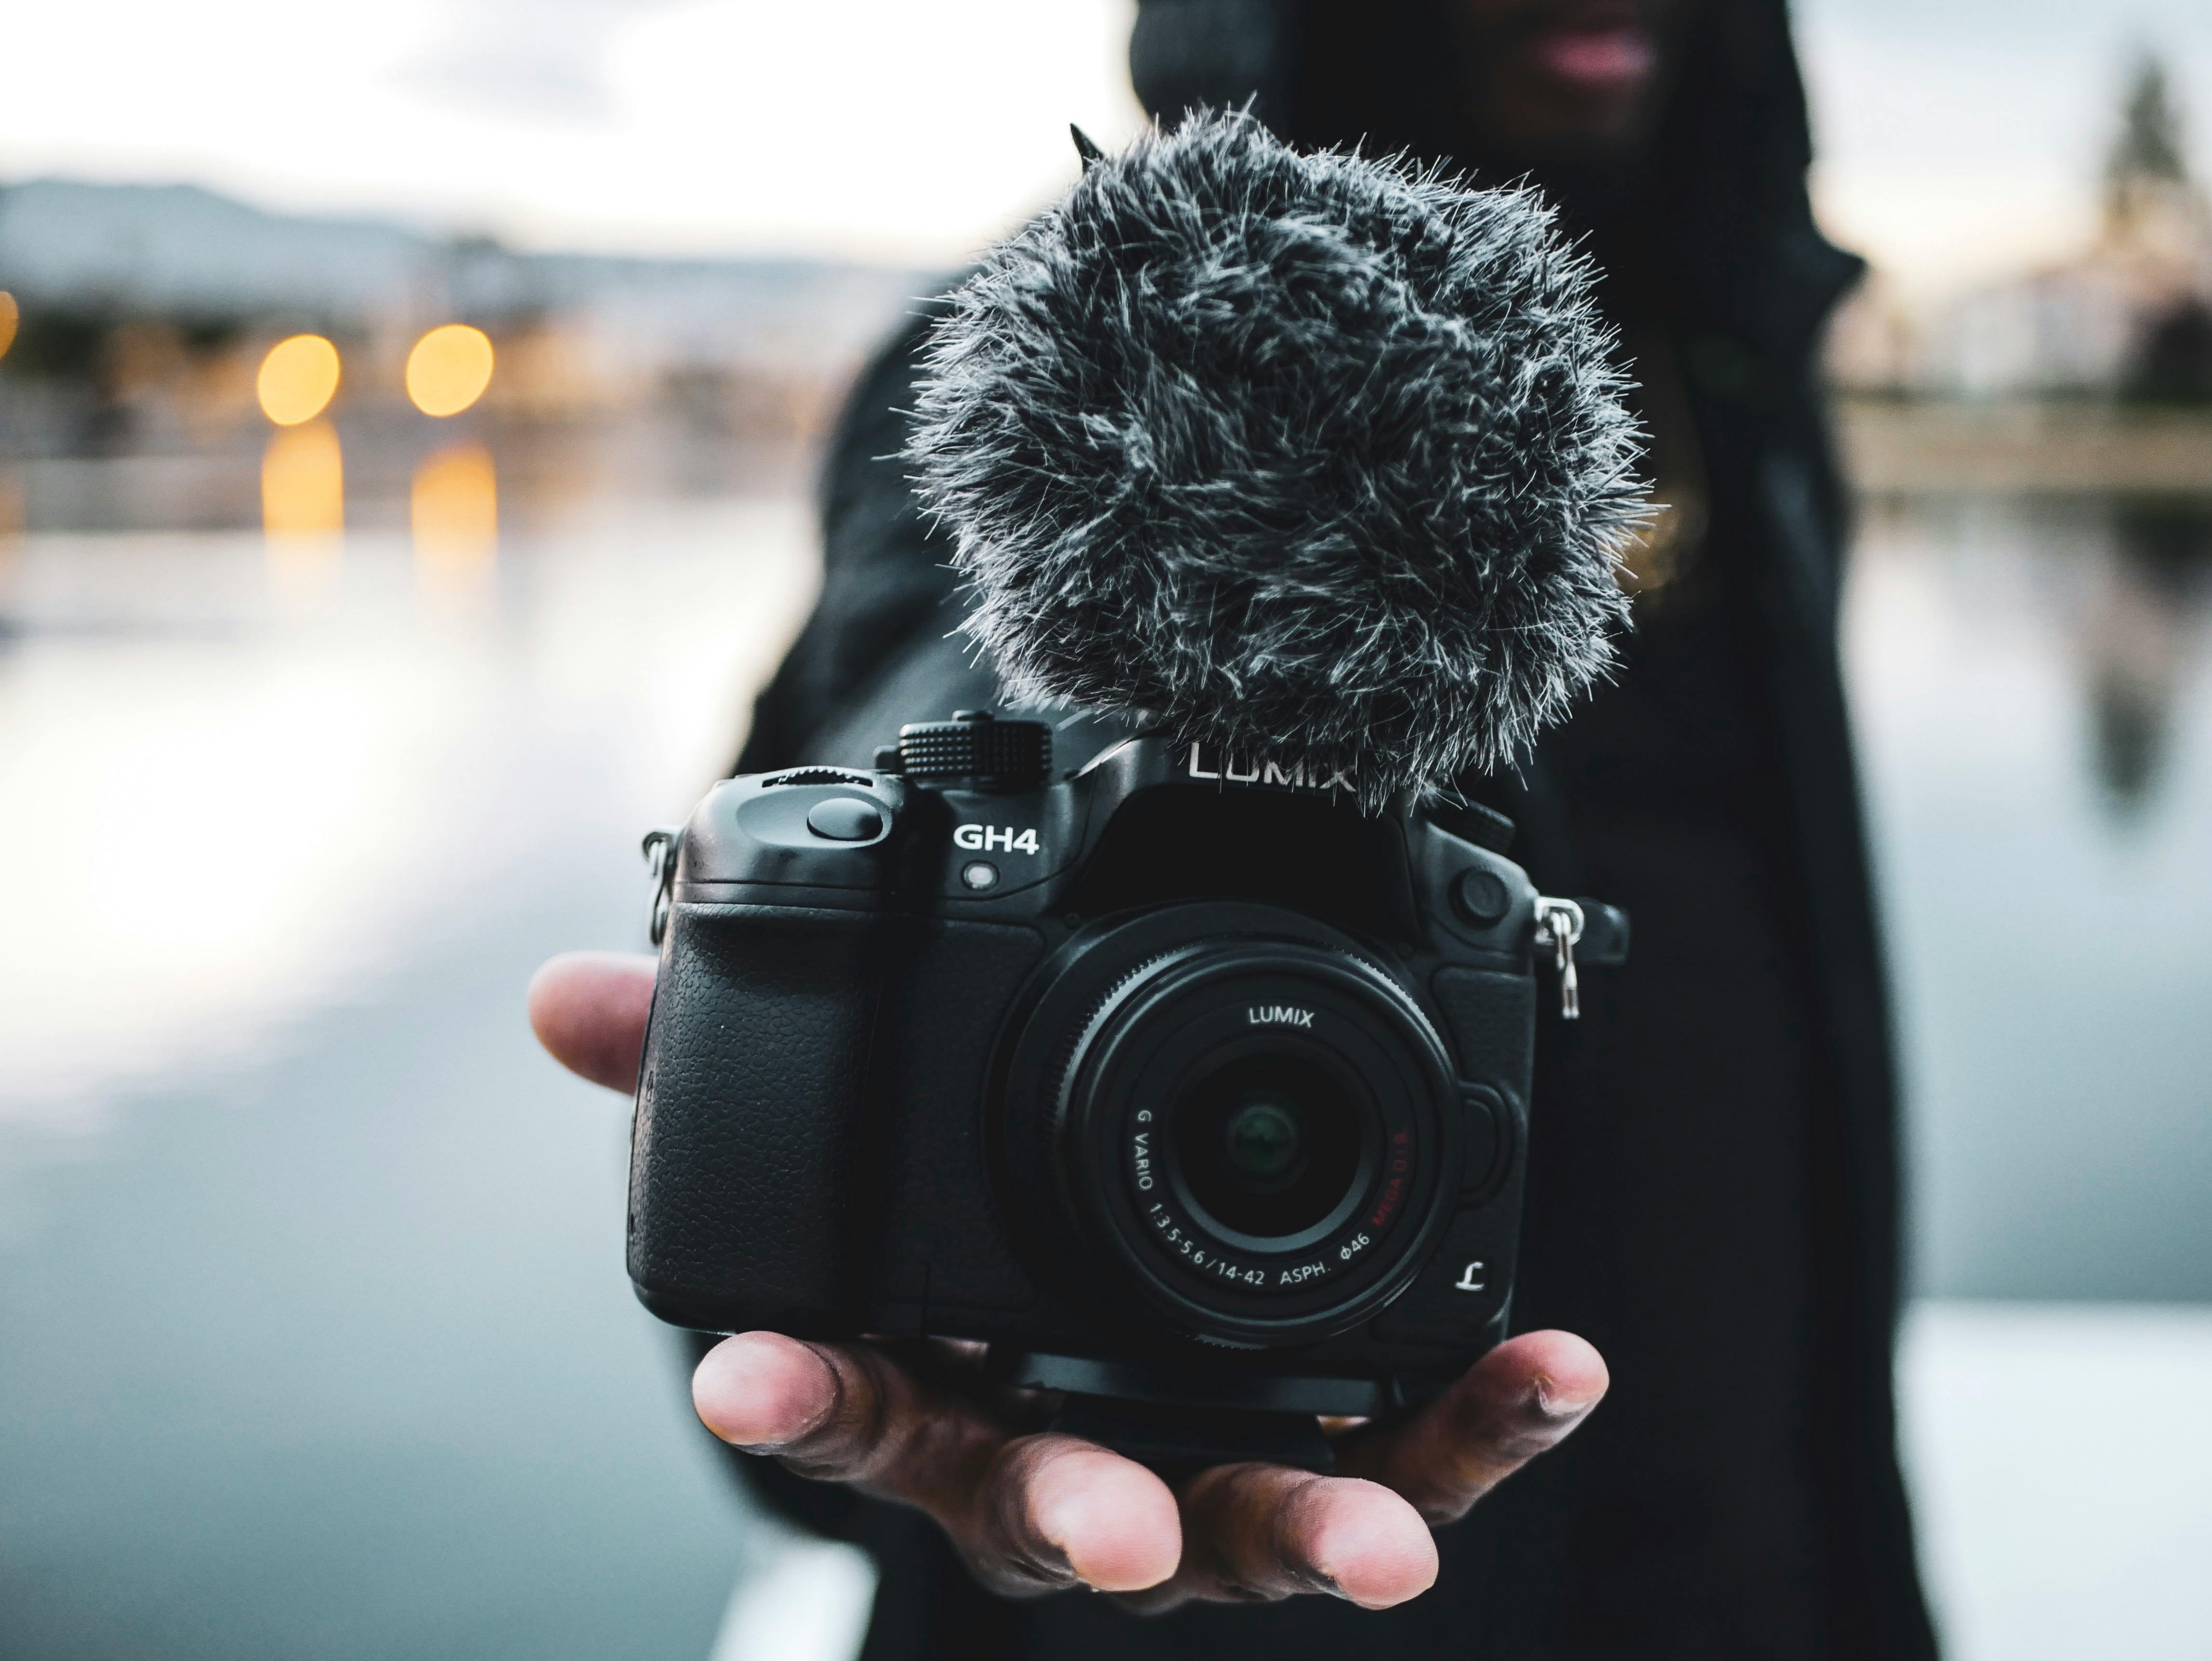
{"type": "Point", "coordinates": [1031, 1512]}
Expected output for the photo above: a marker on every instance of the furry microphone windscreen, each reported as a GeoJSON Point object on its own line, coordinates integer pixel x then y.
{"type": "Point", "coordinates": [1288, 453]}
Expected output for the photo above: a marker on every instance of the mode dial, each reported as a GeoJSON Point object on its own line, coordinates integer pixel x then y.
{"type": "Point", "coordinates": [999, 755]}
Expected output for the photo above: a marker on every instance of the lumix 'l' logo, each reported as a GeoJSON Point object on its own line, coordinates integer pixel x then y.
{"type": "Point", "coordinates": [1305, 773]}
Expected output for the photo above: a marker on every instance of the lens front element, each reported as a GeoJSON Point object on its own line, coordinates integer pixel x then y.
{"type": "Point", "coordinates": [1254, 1130]}
{"type": "Point", "coordinates": [1267, 1145]}
{"type": "Point", "coordinates": [1264, 1139]}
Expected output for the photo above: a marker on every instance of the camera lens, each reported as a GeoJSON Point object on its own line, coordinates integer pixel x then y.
{"type": "Point", "coordinates": [1253, 1131]}
{"type": "Point", "coordinates": [1267, 1145]}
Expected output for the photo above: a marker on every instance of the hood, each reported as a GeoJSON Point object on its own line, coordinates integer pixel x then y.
{"type": "Point", "coordinates": [1712, 236]}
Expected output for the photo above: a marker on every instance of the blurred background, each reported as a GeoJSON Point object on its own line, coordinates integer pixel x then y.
{"type": "Point", "coordinates": [406, 418]}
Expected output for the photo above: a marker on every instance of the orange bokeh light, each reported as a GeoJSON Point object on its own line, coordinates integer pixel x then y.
{"type": "Point", "coordinates": [456, 518]}
{"type": "Point", "coordinates": [298, 379]}
{"type": "Point", "coordinates": [10, 315]}
{"type": "Point", "coordinates": [303, 504]}
{"type": "Point", "coordinates": [303, 483]}
{"type": "Point", "coordinates": [449, 369]}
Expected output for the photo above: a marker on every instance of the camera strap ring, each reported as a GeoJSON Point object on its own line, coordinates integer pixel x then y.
{"type": "Point", "coordinates": [661, 849]}
{"type": "Point", "coordinates": [1559, 924]}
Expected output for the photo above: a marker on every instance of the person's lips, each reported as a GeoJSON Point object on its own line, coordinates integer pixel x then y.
{"type": "Point", "coordinates": [1607, 58]}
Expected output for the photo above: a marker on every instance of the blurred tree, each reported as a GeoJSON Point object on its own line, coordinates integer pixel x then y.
{"type": "Point", "coordinates": [2150, 145]}
{"type": "Point", "coordinates": [2160, 221]}
{"type": "Point", "coordinates": [2172, 362]}
{"type": "Point", "coordinates": [2145, 639]}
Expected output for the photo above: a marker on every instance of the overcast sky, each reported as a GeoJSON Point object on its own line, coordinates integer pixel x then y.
{"type": "Point", "coordinates": [1957, 137]}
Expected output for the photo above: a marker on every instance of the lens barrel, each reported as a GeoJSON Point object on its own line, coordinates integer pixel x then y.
{"type": "Point", "coordinates": [1250, 1131]}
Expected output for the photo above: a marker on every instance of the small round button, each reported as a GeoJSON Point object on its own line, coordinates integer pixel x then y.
{"type": "Point", "coordinates": [845, 818]}
{"type": "Point", "coordinates": [1480, 896]}
{"type": "Point", "coordinates": [980, 874]}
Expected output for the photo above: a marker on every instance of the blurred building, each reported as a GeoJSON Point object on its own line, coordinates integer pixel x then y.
{"type": "Point", "coordinates": [2130, 317]}
{"type": "Point", "coordinates": [144, 309]}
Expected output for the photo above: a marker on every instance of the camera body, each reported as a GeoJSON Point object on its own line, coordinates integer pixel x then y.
{"type": "Point", "coordinates": [1177, 1081]}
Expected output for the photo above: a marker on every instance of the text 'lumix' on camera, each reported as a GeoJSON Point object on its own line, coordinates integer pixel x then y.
{"type": "Point", "coordinates": [1306, 773]}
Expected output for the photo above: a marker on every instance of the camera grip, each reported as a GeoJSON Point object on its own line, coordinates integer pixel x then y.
{"type": "Point", "coordinates": [748, 1112]}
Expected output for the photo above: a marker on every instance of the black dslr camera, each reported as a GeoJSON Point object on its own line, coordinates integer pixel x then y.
{"type": "Point", "coordinates": [1194, 1083]}
{"type": "Point", "coordinates": [1199, 1094]}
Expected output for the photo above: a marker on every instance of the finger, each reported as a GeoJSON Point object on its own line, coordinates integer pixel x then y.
{"type": "Point", "coordinates": [844, 1413]}
{"type": "Point", "coordinates": [1029, 1514]}
{"type": "Point", "coordinates": [1057, 1511]}
{"type": "Point", "coordinates": [1262, 1532]}
{"type": "Point", "coordinates": [1524, 1398]}
{"type": "Point", "coordinates": [589, 1009]}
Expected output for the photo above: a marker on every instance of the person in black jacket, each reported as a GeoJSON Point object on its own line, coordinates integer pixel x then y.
{"type": "Point", "coordinates": [1714, 1178]}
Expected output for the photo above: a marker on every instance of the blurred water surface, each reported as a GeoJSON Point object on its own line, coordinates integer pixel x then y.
{"type": "Point", "coordinates": [2029, 676]}
{"type": "Point", "coordinates": [318, 1341]}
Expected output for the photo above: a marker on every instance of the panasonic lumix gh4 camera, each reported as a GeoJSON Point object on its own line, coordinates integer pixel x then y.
{"type": "Point", "coordinates": [1177, 1080]}
{"type": "Point", "coordinates": [1194, 1082]}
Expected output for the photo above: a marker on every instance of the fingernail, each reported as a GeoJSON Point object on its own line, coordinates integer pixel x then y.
{"type": "Point", "coordinates": [1056, 1521]}
{"type": "Point", "coordinates": [1314, 1581]}
{"type": "Point", "coordinates": [1552, 1405]}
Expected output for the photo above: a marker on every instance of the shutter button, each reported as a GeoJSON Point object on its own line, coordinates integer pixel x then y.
{"type": "Point", "coordinates": [845, 818]}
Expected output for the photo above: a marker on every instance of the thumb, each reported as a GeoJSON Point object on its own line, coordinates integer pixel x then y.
{"type": "Point", "coordinates": [589, 1009]}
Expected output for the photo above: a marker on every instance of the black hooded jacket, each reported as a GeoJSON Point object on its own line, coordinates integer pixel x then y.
{"type": "Point", "coordinates": [1714, 1196]}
